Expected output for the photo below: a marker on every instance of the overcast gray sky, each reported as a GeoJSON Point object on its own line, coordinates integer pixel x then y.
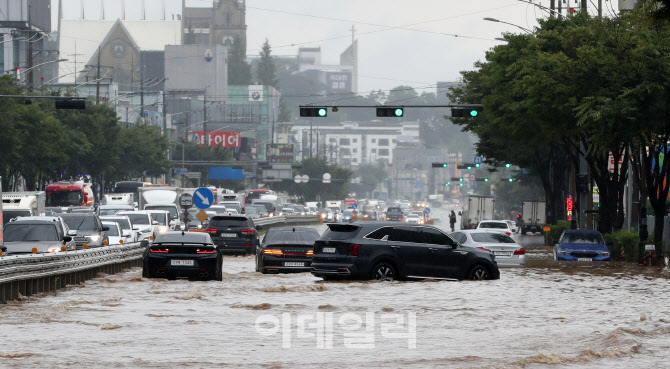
{"type": "Point", "coordinates": [437, 38]}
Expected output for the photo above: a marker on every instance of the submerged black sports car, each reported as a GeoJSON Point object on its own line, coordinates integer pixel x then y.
{"type": "Point", "coordinates": [183, 255]}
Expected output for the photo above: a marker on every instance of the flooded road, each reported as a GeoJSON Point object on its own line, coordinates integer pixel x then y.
{"type": "Point", "coordinates": [547, 315]}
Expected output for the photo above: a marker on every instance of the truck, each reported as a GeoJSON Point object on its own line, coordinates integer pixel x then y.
{"type": "Point", "coordinates": [118, 199]}
{"type": "Point", "coordinates": [335, 204]}
{"type": "Point", "coordinates": [69, 194]}
{"type": "Point", "coordinates": [436, 200]}
{"type": "Point", "coordinates": [475, 209]}
{"type": "Point", "coordinates": [161, 198]}
{"type": "Point", "coordinates": [533, 216]}
{"type": "Point", "coordinates": [16, 204]}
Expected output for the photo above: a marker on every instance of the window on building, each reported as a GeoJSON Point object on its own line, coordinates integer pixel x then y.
{"type": "Point", "coordinates": [383, 152]}
{"type": "Point", "coordinates": [228, 18]}
{"type": "Point", "coordinates": [355, 140]}
{"type": "Point", "coordinates": [345, 141]}
{"type": "Point", "coordinates": [394, 141]}
{"type": "Point", "coordinates": [383, 142]}
{"type": "Point", "coordinates": [374, 140]}
{"type": "Point", "coordinates": [355, 160]}
{"type": "Point", "coordinates": [332, 140]}
{"type": "Point", "coordinates": [355, 151]}
{"type": "Point", "coordinates": [374, 151]}
{"type": "Point", "coordinates": [345, 152]}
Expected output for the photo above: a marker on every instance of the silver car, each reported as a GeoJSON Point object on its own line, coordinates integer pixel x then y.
{"type": "Point", "coordinates": [41, 236]}
{"type": "Point", "coordinates": [508, 253]}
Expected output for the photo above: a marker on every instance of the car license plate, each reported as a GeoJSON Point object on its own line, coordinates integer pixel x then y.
{"type": "Point", "coordinates": [229, 235]}
{"type": "Point", "coordinates": [502, 253]}
{"type": "Point", "coordinates": [181, 262]}
{"type": "Point", "coordinates": [329, 250]}
{"type": "Point", "coordinates": [584, 259]}
{"type": "Point", "coordinates": [288, 264]}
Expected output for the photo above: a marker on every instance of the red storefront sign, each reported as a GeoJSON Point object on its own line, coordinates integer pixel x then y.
{"type": "Point", "coordinates": [218, 139]}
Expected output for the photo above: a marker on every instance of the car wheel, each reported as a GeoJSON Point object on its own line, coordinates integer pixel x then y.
{"type": "Point", "coordinates": [145, 270]}
{"type": "Point", "coordinates": [219, 274]}
{"type": "Point", "coordinates": [479, 273]}
{"type": "Point", "coordinates": [384, 272]}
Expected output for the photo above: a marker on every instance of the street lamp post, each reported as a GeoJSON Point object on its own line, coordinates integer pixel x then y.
{"type": "Point", "coordinates": [511, 24]}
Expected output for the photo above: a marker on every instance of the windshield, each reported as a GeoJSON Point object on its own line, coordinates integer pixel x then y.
{"type": "Point", "coordinates": [288, 237]}
{"type": "Point", "coordinates": [493, 225]}
{"type": "Point", "coordinates": [492, 238]}
{"type": "Point", "coordinates": [64, 198]}
{"type": "Point", "coordinates": [171, 209]}
{"type": "Point", "coordinates": [113, 230]}
{"type": "Point", "coordinates": [268, 205]}
{"type": "Point", "coordinates": [123, 223]}
{"type": "Point", "coordinates": [80, 223]}
{"type": "Point", "coordinates": [160, 218]}
{"type": "Point", "coordinates": [592, 238]}
{"type": "Point", "coordinates": [138, 218]}
{"type": "Point", "coordinates": [7, 215]}
{"type": "Point", "coordinates": [30, 232]}
{"type": "Point", "coordinates": [109, 211]}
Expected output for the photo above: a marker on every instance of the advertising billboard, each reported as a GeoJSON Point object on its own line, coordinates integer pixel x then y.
{"type": "Point", "coordinates": [338, 80]}
{"type": "Point", "coordinates": [280, 153]}
{"type": "Point", "coordinates": [217, 139]}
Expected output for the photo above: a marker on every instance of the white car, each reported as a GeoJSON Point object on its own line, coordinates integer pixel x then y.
{"type": "Point", "coordinates": [113, 209]}
{"type": "Point", "coordinates": [413, 218]}
{"type": "Point", "coordinates": [114, 234]}
{"type": "Point", "coordinates": [219, 209]}
{"type": "Point", "coordinates": [163, 219]}
{"type": "Point", "coordinates": [508, 253]}
{"type": "Point", "coordinates": [142, 223]}
{"type": "Point", "coordinates": [495, 226]}
{"type": "Point", "coordinates": [129, 234]}
{"type": "Point", "coordinates": [512, 226]}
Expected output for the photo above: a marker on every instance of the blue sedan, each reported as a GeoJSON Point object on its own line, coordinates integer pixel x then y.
{"type": "Point", "coordinates": [581, 246]}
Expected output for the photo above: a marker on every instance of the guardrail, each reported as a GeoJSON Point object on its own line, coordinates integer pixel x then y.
{"type": "Point", "coordinates": [26, 275]}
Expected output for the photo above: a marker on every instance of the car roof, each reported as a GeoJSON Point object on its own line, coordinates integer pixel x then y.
{"type": "Point", "coordinates": [76, 215]}
{"type": "Point", "coordinates": [32, 222]}
{"type": "Point", "coordinates": [133, 212]}
{"type": "Point", "coordinates": [580, 231]}
{"type": "Point", "coordinates": [110, 223]}
{"type": "Point", "coordinates": [493, 221]}
{"type": "Point", "coordinates": [470, 231]}
{"type": "Point", "coordinates": [41, 218]}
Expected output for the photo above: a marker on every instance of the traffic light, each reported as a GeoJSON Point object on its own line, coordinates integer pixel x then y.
{"type": "Point", "coordinates": [466, 112]}
{"type": "Point", "coordinates": [313, 112]}
{"type": "Point", "coordinates": [467, 166]}
{"type": "Point", "coordinates": [448, 184]}
{"type": "Point", "coordinates": [511, 179]}
{"type": "Point", "coordinates": [70, 104]}
{"type": "Point", "coordinates": [439, 165]}
{"type": "Point", "coordinates": [508, 165]}
{"type": "Point", "coordinates": [476, 165]}
{"type": "Point", "coordinates": [395, 112]}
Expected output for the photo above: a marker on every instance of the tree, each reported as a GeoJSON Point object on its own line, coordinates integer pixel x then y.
{"type": "Point", "coordinates": [190, 37]}
{"type": "Point", "coordinates": [371, 176]}
{"type": "Point", "coordinates": [315, 188]}
{"type": "Point", "coordinates": [239, 71]}
{"type": "Point", "coordinates": [266, 73]}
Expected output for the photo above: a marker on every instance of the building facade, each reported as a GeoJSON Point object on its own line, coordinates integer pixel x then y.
{"type": "Point", "coordinates": [219, 25]}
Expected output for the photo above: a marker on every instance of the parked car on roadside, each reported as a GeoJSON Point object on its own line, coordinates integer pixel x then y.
{"type": "Point", "coordinates": [286, 249]}
{"type": "Point", "coordinates": [383, 251]}
{"type": "Point", "coordinates": [578, 245]}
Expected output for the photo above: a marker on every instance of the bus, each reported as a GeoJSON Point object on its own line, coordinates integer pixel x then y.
{"type": "Point", "coordinates": [130, 187]}
{"type": "Point", "coordinates": [256, 195]}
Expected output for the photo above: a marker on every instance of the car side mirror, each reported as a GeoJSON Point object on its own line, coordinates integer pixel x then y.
{"type": "Point", "coordinates": [259, 227]}
{"type": "Point", "coordinates": [105, 229]}
{"type": "Point", "coordinates": [71, 232]}
{"type": "Point", "coordinates": [154, 222]}
{"type": "Point", "coordinates": [67, 238]}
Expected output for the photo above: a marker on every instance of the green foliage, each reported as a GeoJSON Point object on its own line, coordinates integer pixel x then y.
{"type": "Point", "coordinates": [266, 72]}
{"type": "Point", "coordinates": [623, 245]}
{"type": "Point", "coordinates": [556, 230]}
{"type": "Point", "coordinates": [371, 176]}
{"type": "Point", "coordinates": [190, 37]}
{"type": "Point", "coordinates": [239, 71]}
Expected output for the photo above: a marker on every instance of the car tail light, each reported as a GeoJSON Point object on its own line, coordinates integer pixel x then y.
{"type": "Point", "coordinates": [211, 230]}
{"type": "Point", "coordinates": [520, 251]}
{"type": "Point", "coordinates": [387, 218]}
{"type": "Point", "coordinates": [247, 231]}
{"type": "Point", "coordinates": [310, 253]}
{"type": "Point", "coordinates": [159, 250]}
{"type": "Point", "coordinates": [400, 218]}
{"type": "Point", "coordinates": [205, 251]}
{"type": "Point", "coordinates": [481, 248]}
{"type": "Point", "coordinates": [352, 250]}
{"type": "Point", "coordinates": [273, 252]}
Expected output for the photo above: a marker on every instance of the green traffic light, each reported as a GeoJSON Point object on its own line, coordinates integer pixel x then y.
{"type": "Point", "coordinates": [444, 165]}
{"type": "Point", "coordinates": [469, 167]}
{"type": "Point", "coordinates": [323, 112]}
{"type": "Point", "coordinates": [476, 165]}
{"type": "Point", "coordinates": [448, 184]}
{"type": "Point", "coordinates": [511, 180]}
{"type": "Point", "coordinates": [474, 113]}
{"type": "Point", "coordinates": [461, 185]}
{"type": "Point", "coordinates": [399, 112]}
{"type": "Point", "coordinates": [461, 180]}
{"type": "Point", "coordinates": [507, 165]}
{"type": "Point", "coordinates": [486, 179]}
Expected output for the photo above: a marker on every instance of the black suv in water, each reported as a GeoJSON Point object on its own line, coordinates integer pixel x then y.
{"type": "Point", "coordinates": [234, 233]}
{"type": "Point", "coordinates": [384, 251]}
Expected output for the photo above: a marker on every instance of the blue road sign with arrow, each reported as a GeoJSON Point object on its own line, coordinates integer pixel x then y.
{"type": "Point", "coordinates": [354, 206]}
{"type": "Point", "coordinates": [203, 198]}
{"type": "Point", "coordinates": [426, 210]}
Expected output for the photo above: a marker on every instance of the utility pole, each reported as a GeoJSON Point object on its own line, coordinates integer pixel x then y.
{"type": "Point", "coordinates": [29, 57]}
{"type": "Point", "coordinates": [204, 123]}
{"type": "Point", "coordinates": [600, 8]}
{"type": "Point", "coordinates": [141, 90]}
{"type": "Point", "coordinates": [97, 81]}
{"type": "Point", "coordinates": [584, 5]}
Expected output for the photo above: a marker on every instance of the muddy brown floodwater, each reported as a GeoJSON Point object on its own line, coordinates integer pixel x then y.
{"type": "Point", "coordinates": [547, 315]}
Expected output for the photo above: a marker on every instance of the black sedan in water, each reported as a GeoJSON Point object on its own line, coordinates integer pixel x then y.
{"type": "Point", "coordinates": [183, 255]}
{"type": "Point", "coordinates": [388, 251]}
{"type": "Point", "coordinates": [286, 249]}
